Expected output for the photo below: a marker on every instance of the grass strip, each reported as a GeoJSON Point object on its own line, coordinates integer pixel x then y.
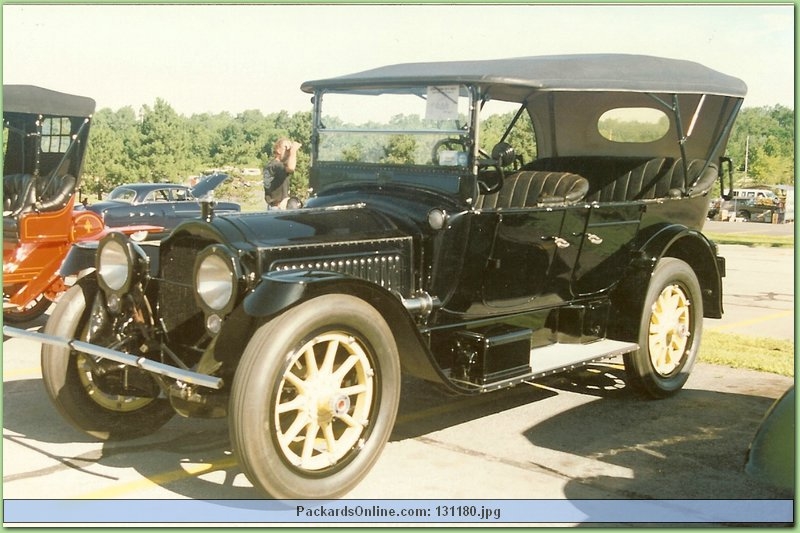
{"type": "Point", "coordinates": [748, 239]}
{"type": "Point", "coordinates": [743, 351]}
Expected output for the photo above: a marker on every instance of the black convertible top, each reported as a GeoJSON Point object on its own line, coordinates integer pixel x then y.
{"type": "Point", "coordinates": [36, 100]}
{"type": "Point", "coordinates": [584, 72]}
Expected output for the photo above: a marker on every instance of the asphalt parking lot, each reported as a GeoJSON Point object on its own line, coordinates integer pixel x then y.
{"type": "Point", "coordinates": [574, 436]}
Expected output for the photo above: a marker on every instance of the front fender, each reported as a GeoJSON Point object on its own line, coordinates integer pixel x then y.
{"type": "Point", "coordinates": [279, 291]}
{"type": "Point", "coordinates": [80, 257]}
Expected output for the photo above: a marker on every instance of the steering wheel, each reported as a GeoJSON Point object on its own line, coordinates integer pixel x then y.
{"type": "Point", "coordinates": [449, 144]}
{"type": "Point", "coordinates": [496, 175]}
{"type": "Point", "coordinates": [502, 155]}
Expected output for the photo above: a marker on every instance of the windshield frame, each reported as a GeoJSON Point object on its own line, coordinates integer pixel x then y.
{"type": "Point", "coordinates": [465, 126]}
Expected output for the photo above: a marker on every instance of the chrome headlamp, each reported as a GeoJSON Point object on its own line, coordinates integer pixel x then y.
{"type": "Point", "coordinates": [216, 280]}
{"type": "Point", "coordinates": [119, 263]}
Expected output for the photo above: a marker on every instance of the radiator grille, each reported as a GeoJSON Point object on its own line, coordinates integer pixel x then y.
{"type": "Point", "coordinates": [177, 307]}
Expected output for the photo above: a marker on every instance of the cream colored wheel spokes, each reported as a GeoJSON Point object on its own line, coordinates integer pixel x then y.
{"type": "Point", "coordinates": [324, 401]}
{"type": "Point", "coordinates": [670, 328]}
{"type": "Point", "coordinates": [112, 402]}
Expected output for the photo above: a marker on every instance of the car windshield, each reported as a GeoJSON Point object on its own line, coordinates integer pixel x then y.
{"type": "Point", "coordinates": [396, 126]}
{"type": "Point", "coordinates": [121, 194]}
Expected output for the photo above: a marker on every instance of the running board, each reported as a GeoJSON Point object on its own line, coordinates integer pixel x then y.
{"type": "Point", "coordinates": [560, 357]}
{"type": "Point", "coordinates": [555, 358]}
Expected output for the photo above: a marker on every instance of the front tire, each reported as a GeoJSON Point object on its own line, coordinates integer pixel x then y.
{"type": "Point", "coordinates": [669, 332]}
{"type": "Point", "coordinates": [314, 398]}
{"type": "Point", "coordinates": [74, 387]}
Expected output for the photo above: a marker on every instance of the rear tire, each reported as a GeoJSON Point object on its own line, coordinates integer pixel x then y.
{"type": "Point", "coordinates": [669, 332]}
{"type": "Point", "coordinates": [72, 385]}
{"type": "Point", "coordinates": [314, 398]}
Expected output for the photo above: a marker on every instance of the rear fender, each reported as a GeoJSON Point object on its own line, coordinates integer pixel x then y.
{"type": "Point", "coordinates": [675, 241]}
{"type": "Point", "coordinates": [698, 252]}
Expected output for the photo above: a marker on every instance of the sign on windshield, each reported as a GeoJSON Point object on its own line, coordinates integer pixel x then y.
{"type": "Point", "coordinates": [397, 126]}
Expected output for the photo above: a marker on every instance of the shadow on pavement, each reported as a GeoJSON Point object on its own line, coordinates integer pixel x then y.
{"type": "Point", "coordinates": [689, 446]}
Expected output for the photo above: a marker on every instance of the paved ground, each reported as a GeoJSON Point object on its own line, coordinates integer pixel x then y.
{"type": "Point", "coordinates": [575, 436]}
{"type": "Point", "coordinates": [758, 292]}
{"type": "Point", "coordinates": [753, 228]}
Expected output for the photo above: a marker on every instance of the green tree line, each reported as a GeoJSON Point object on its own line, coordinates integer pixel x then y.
{"type": "Point", "coordinates": [762, 146]}
{"type": "Point", "coordinates": [160, 145]}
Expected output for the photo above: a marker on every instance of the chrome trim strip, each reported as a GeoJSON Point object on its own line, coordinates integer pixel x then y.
{"type": "Point", "coordinates": [148, 365]}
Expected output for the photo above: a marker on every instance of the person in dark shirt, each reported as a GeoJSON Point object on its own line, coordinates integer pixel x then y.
{"type": "Point", "coordinates": [277, 171]}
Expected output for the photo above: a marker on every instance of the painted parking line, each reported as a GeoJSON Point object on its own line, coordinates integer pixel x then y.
{"type": "Point", "coordinates": [19, 373]}
{"type": "Point", "coordinates": [187, 470]}
{"type": "Point", "coordinates": [752, 321]}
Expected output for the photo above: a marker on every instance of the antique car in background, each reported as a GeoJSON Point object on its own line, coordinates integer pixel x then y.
{"type": "Point", "coordinates": [160, 204]}
{"type": "Point", "coordinates": [44, 142]}
{"type": "Point", "coordinates": [477, 224]}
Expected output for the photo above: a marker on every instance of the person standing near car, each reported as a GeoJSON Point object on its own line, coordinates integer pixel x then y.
{"type": "Point", "coordinates": [277, 171]}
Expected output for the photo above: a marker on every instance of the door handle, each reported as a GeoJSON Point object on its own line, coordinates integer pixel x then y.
{"type": "Point", "coordinates": [559, 242]}
{"type": "Point", "coordinates": [594, 239]}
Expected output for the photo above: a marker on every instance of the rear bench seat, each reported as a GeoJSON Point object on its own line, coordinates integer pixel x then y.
{"type": "Point", "coordinates": [531, 188]}
{"type": "Point", "coordinates": [619, 179]}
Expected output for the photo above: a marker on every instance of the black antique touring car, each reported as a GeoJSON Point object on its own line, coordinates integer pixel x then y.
{"type": "Point", "coordinates": [476, 224]}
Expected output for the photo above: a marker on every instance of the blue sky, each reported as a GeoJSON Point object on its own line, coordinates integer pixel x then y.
{"type": "Point", "coordinates": [213, 58]}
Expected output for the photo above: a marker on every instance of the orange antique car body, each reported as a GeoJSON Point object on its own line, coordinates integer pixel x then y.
{"type": "Point", "coordinates": [45, 135]}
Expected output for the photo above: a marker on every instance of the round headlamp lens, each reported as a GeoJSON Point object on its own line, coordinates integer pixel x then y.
{"type": "Point", "coordinates": [114, 267]}
{"type": "Point", "coordinates": [215, 279]}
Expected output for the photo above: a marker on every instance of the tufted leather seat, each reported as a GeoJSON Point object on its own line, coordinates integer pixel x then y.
{"type": "Point", "coordinates": [536, 188]}
{"type": "Point", "coordinates": [624, 179]}
{"type": "Point", "coordinates": [18, 194]}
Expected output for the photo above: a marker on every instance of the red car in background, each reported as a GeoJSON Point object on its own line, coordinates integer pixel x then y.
{"type": "Point", "coordinates": [45, 134]}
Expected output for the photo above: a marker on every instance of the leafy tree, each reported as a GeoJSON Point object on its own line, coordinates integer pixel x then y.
{"type": "Point", "coordinates": [164, 151]}
{"type": "Point", "coordinates": [231, 146]}
{"type": "Point", "coordinates": [762, 145]}
{"type": "Point", "coordinates": [521, 136]}
{"type": "Point", "coordinates": [400, 150]}
{"type": "Point", "coordinates": [111, 153]}
{"type": "Point", "coordinates": [204, 132]}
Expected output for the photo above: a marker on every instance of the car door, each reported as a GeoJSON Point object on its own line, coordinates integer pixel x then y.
{"type": "Point", "coordinates": [525, 260]}
{"type": "Point", "coordinates": [183, 205]}
{"type": "Point", "coordinates": [156, 208]}
{"type": "Point", "coordinates": [604, 251]}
